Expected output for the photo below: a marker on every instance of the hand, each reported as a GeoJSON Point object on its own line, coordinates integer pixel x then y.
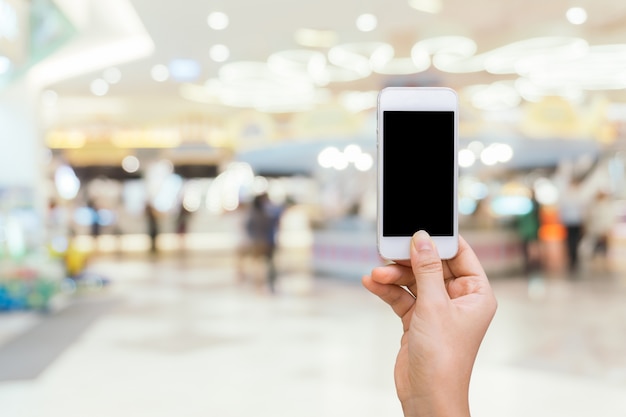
{"type": "Point", "coordinates": [446, 308]}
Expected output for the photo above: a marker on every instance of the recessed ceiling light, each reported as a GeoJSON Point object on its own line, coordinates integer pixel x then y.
{"type": "Point", "coordinates": [428, 6]}
{"type": "Point", "coordinates": [99, 87]}
{"type": "Point", "coordinates": [576, 15]}
{"type": "Point", "coordinates": [218, 20]}
{"type": "Point", "coordinates": [316, 38]}
{"type": "Point", "coordinates": [303, 63]}
{"type": "Point", "coordinates": [160, 73]}
{"type": "Point", "coordinates": [219, 53]}
{"type": "Point", "coordinates": [184, 69]}
{"type": "Point", "coordinates": [130, 164]}
{"type": "Point", "coordinates": [366, 22]}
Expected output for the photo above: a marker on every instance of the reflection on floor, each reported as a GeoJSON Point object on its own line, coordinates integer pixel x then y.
{"type": "Point", "coordinates": [185, 337]}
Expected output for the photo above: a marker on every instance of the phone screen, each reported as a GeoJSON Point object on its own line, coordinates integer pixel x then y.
{"type": "Point", "coordinates": [418, 172]}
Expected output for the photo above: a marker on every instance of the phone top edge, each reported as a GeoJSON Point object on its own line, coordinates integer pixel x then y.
{"type": "Point", "coordinates": [416, 89]}
{"type": "Point", "coordinates": [417, 98]}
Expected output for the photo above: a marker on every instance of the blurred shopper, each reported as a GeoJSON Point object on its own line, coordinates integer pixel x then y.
{"type": "Point", "coordinates": [528, 225]}
{"type": "Point", "coordinates": [182, 224]}
{"type": "Point", "coordinates": [600, 219]}
{"type": "Point", "coordinates": [443, 305]}
{"type": "Point", "coordinates": [261, 227]}
{"type": "Point", "coordinates": [153, 227]}
{"type": "Point", "coordinates": [95, 220]}
{"type": "Point", "coordinates": [572, 215]}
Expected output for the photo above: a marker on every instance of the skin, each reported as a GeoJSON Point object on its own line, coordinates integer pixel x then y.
{"type": "Point", "coordinates": [446, 308]}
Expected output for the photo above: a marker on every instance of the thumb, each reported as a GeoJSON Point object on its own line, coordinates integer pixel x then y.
{"type": "Point", "coordinates": [427, 268]}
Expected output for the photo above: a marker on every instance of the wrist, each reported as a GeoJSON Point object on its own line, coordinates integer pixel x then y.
{"type": "Point", "coordinates": [448, 404]}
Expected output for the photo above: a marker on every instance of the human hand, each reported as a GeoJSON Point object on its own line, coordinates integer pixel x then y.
{"type": "Point", "coordinates": [446, 308]}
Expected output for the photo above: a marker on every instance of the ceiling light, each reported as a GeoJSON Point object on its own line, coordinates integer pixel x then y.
{"type": "Point", "coordinates": [466, 158]}
{"type": "Point", "coordinates": [326, 158]}
{"type": "Point", "coordinates": [508, 59]}
{"type": "Point", "coordinates": [80, 60]}
{"type": "Point", "coordinates": [160, 73]}
{"type": "Point", "coordinates": [383, 61]}
{"type": "Point", "coordinates": [476, 147]}
{"type": "Point", "coordinates": [300, 63]}
{"type": "Point", "coordinates": [428, 6]}
{"type": "Point", "coordinates": [356, 101]}
{"type": "Point", "coordinates": [500, 95]}
{"type": "Point", "coordinates": [453, 54]}
{"type": "Point", "coordinates": [66, 181]}
{"type": "Point", "coordinates": [489, 156]}
{"type": "Point", "coordinates": [252, 84]}
{"type": "Point", "coordinates": [218, 20]}
{"type": "Point", "coordinates": [546, 191]}
{"type": "Point", "coordinates": [355, 57]}
{"type": "Point", "coordinates": [576, 15]}
{"type": "Point", "coordinates": [352, 152]}
{"type": "Point", "coordinates": [184, 69]}
{"type": "Point", "coordinates": [602, 68]}
{"type": "Point", "coordinates": [366, 22]}
{"type": "Point", "coordinates": [314, 38]}
{"type": "Point", "coordinates": [197, 93]}
{"type": "Point", "coordinates": [99, 87]}
{"type": "Point", "coordinates": [364, 162]}
{"type": "Point", "coordinates": [219, 53]}
{"type": "Point", "coordinates": [532, 92]}
{"type": "Point", "coordinates": [130, 164]}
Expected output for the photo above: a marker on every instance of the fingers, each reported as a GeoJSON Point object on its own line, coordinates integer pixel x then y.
{"type": "Point", "coordinates": [427, 268]}
{"type": "Point", "coordinates": [397, 297]}
{"type": "Point", "coordinates": [425, 276]}
{"type": "Point", "coordinates": [395, 274]}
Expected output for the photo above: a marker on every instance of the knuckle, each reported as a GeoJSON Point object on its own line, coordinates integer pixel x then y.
{"type": "Point", "coordinates": [430, 265]}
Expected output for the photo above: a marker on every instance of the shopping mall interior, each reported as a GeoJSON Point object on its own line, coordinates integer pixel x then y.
{"type": "Point", "coordinates": [136, 135]}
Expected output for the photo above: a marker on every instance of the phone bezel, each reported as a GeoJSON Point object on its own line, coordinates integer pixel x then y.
{"type": "Point", "coordinates": [415, 99]}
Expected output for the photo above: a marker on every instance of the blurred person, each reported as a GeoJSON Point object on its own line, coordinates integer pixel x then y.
{"type": "Point", "coordinates": [261, 226]}
{"type": "Point", "coordinates": [528, 225]}
{"type": "Point", "coordinates": [95, 219]}
{"type": "Point", "coordinates": [599, 221]}
{"type": "Point", "coordinates": [446, 308]}
{"type": "Point", "coordinates": [153, 227]}
{"type": "Point", "coordinates": [244, 245]}
{"type": "Point", "coordinates": [572, 215]}
{"type": "Point", "coordinates": [182, 224]}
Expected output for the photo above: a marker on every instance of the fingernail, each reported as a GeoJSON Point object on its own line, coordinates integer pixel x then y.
{"type": "Point", "coordinates": [422, 241]}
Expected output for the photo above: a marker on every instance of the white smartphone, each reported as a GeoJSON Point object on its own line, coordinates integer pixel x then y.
{"type": "Point", "coordinates": [417, 169]}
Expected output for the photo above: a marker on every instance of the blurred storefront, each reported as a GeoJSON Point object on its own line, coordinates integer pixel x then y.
{"type": "Point", "coordinates": [79, 168]}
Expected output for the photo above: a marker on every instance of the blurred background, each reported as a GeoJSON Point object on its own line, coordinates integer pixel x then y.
{"type": "Point", "coordinates": [137, 137]}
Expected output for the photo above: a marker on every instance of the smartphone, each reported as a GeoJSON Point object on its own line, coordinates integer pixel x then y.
{"type": "Point", "coordinates": [417, 169]}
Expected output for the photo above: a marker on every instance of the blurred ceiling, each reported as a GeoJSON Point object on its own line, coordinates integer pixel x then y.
{"type": "Point", "coordinates": [134, 36]}
{"type": "Point", "coordinates": [281, 57]}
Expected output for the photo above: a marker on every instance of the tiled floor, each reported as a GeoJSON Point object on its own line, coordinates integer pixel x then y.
{"type": "Point", "coordinates": [185, 338]}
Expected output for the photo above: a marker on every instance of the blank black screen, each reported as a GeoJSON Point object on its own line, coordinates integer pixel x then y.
{"type": "Point", "coordinates": [418, 172]}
